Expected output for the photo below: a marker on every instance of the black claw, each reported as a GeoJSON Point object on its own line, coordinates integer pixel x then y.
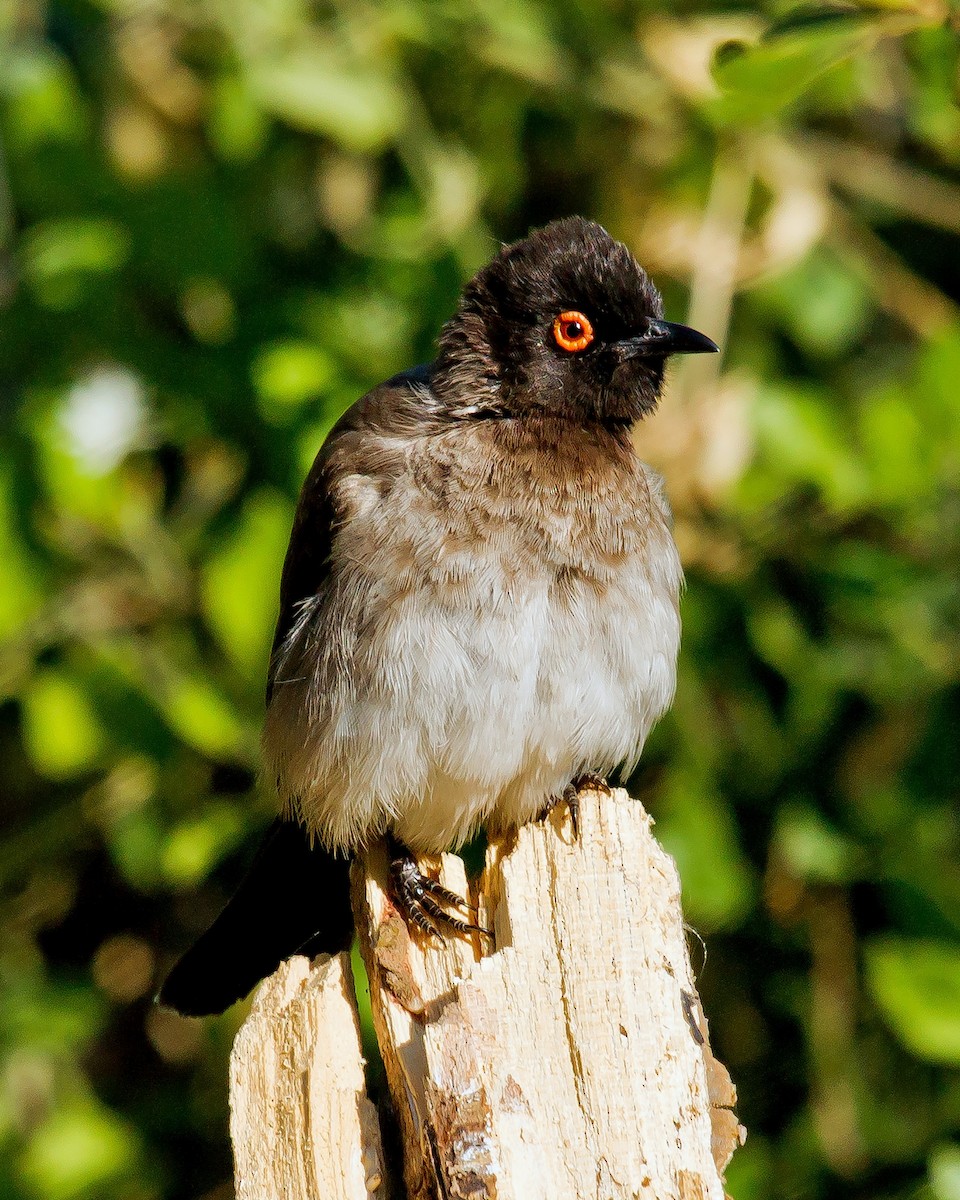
{"type": "Point", "coordinates": [572, 797]}
{"type": "Point", "coordinates": [417, 896]}
{"type": "Point", "coordinates": [433, 909]}
{"type": "Point", "coordinates": [444, 893]}
{"type": "Point", "coordinates": [422, 921]}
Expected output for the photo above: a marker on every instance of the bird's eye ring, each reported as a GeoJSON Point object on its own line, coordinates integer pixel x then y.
{"type": "Point", "coordinates": [572, 331]}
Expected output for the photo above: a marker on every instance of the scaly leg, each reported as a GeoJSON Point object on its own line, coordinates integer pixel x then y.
{"type": "Point", "coordinates": [419, 898]}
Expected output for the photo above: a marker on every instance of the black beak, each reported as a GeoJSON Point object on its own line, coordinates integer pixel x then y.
{"type": "Point", "coordinates": [666, 337]}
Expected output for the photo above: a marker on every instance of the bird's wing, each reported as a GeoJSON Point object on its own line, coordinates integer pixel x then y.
{"type": "Point", "coordinates": [388, 407]}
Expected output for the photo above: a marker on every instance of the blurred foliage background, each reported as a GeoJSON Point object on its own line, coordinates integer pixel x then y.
{"type": "Point", "coordinates": [219, 225]}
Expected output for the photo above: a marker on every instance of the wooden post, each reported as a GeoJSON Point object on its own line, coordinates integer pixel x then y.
{"type": "Point", "coordinates": [300, 1120]}
{"type": "Point", "coordinates": [570, 1059]}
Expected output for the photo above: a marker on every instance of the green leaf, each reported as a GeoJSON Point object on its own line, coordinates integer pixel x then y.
{"type": "Point", "coordinates": [695, 826]}
{"type": "Point", "coordinates": [895, 445]}
{"type": "Point", "coordinates": [241, 579]}
{"type": "Point", "coordinates": [935, 396]}
{"type": "Point", "coordinates": [202, 716]}
{"type": "Point", "coordinates": [40, 1015]}
{"type": "Point", "coordinates": [917, 987]}
{"type": "Point", "coordinates": [515, 37]}
{"type": "Point", "coordinates": [81, 1147]}
{"type": "Point", "coordinates": [237, 123]}
{"type": "Point", "coordinates": [20, 595]}
{"type": "Point", "coordinates": [136, 841]}
{"type": "Point", "coordinates": [760, 80]}
{"type": "Point", "coordinates": [803, 440]}
{"type": "Point", "coordinates": [43, 103]}
{"type": "Point", "coordinates": [812, 848]}
{"type": "Point", "coordinates": [825, 306]}
{"type": "Point", "coordinates": [62, 732]}
{"type": "Point", "coordinates": [195, 847]}
{"type": "Point", "coordinates": [288, 374]}
{"type": "Point", "coordinates": [317, 88]}
{"type": "Point", "coordinates": [752, 1172]}
{"type": "Point", "coordinates": [60, 256]}
{"type": "Point", "coordinates": [943, 1169]}
{"type": "Point", "coordinates": [368, 331]}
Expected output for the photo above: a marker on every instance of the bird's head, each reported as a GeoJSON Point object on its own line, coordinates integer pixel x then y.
{"type": "Point", "coordinates": [565, 322]}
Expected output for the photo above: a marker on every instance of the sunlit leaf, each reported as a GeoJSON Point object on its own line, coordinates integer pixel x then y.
{"type": "Point", "coordinates": [917, 986]}
{"type": "Point", "coordinates": [371, 332]}
{"type": "Point", "coordinates": [194, 847]}
{"type": "Point", "coordinates": [241, 581]}
{"type": "Point", "coordinates": [43, 103]}
{"type": "Point", "coordinates": [202, 716]}
{"type": "Point", "coordinates": [803, 440]}
{"type": "Point", "coordinates": [516, 37]}
{"type": "Point", "coordinates": [82, 1146]}
{"type": "Point", "coordinates": [896, 447]}
{"type": "Point", "coordinates": [760, 80]}
{"type": "Point", "coordinates": [812, 848]}
{"type": "Point", "coordinates": [54, 1017]}
{"type": "Point", "coordinates": [238, 125]}
{"type": "Point", "coordinates": [60, 726]}
{"type": "Point", "coordinates": [824, 306]}
{"type": "Point", "coordinates": [944, 1171]}
{"type": "Point", "coordinates": [136, 842]}
{"type": "Point", "coordinates": [314, 87]}
{"type": "Point", "coordinates": [21, 591]}
{"type": "Point", "coordinates": [288, 374]}
{"type": "Point", "coordinates": [60, 256]}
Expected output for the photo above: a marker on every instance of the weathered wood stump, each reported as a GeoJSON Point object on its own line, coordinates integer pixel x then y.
{"type": "Point", "coordinates": [568, 1059]}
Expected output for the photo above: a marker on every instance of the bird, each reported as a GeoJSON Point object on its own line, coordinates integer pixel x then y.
{"type": "Point", "coordinates": [479, 606]}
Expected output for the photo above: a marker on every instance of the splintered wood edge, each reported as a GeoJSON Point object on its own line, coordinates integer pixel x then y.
{"type": "Point", "coordinates": [410, 974]}
{"type": "Point", "coordinates": [482, 1109]}
{"type": "Point", "coordinates": [301, 1123]}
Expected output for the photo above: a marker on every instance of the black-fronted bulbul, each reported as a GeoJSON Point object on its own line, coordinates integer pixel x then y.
{"type": "Point", "coordinates": [479, 604]}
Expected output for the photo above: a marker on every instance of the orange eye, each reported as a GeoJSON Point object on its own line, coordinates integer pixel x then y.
{"type": "Point", "coordinates": [572, 331]}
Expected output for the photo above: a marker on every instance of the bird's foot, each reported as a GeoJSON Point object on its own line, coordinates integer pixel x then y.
{"type": "Point", "coordinates": [420, 899]}
{"type": "Point", "coordinates": [588, 782]}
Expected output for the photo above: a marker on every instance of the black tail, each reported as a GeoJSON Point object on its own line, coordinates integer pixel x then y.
{"type": "Point", "coordinates": [295, 898]}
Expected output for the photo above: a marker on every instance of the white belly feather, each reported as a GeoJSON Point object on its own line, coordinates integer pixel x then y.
{"type": "Point", "coordinates": [546, 690]}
